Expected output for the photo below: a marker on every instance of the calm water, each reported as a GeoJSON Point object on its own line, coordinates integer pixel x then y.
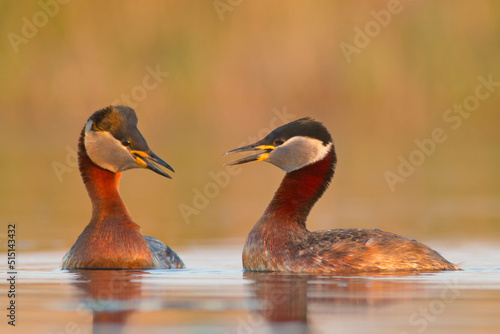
{"type": "Point", "coordinates": [216, 296]}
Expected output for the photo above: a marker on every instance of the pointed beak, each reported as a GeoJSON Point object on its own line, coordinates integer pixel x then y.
{"type": "Point", "coordinates": [150, 160]}
{"type": "Point", "coordinates": [264, 155]}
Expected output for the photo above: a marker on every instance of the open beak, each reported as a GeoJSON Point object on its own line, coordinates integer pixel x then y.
{"type": "Point", "coordinates": [264, 155]}
{"type": "Point", "coordinates": [150, 160]}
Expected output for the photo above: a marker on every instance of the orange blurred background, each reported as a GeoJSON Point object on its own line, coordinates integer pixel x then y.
{"type": "Point", "coordinates": [379, 80]}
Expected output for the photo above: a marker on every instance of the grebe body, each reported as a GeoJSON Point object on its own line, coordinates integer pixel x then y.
{"type": "Point", "coordinates": [109, 144]}
{"type": "Point", "coordinates": [280, 241]}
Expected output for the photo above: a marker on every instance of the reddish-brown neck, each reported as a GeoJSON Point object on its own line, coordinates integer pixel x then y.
{"type": "Point", "coordinates": [300, 190]}
{"type": "Point", "coordinates": [102, 187]}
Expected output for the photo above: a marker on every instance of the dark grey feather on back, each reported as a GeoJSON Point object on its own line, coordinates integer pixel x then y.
{"type": "Point", "coordinates": [166, 255]}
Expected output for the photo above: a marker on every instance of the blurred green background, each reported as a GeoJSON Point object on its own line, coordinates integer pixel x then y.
{"type": "Point", "coordinates": [232, 67]}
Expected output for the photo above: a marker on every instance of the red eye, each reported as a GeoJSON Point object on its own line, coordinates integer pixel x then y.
{"type": "Point", "coordinates": [126, 142]}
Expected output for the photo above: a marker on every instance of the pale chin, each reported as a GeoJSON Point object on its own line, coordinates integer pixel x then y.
{"type": "Point", "coordinates": [299, 152]}
{"type": "Point", "coordinates": [106, 151]}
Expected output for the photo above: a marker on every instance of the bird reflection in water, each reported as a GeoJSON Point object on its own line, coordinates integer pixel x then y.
{"type": "Point", "coordinates": [111, 295]}
{"type": "Point", "coordinates": [282, 300]}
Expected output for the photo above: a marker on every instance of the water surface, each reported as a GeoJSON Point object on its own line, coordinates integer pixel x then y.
{"type": "Point", "coordinates": [215, 296]}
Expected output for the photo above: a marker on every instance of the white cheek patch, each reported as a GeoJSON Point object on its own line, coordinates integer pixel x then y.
{"type": "Point", "coordinates": [298, 152]}
{"type": "Point", "coordinates": [106, 151]}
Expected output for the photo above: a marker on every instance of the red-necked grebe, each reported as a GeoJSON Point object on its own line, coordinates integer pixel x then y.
{"type": "Point", "coordinates": [109, 144]}
{"type": "Point", "coordinates": [280, 241]}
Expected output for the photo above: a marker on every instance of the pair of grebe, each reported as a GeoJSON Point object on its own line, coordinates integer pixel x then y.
{"type": "Point", "coordinates": [111, 143]}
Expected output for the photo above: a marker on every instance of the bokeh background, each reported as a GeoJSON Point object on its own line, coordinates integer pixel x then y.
{"type": "Point", "coordinates": [231, 71]}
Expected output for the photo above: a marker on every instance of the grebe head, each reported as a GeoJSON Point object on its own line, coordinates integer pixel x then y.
{"type": "Point", "coordinates": [291, 146]}
{"type": "Point", "coordinates": [114, 143]}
